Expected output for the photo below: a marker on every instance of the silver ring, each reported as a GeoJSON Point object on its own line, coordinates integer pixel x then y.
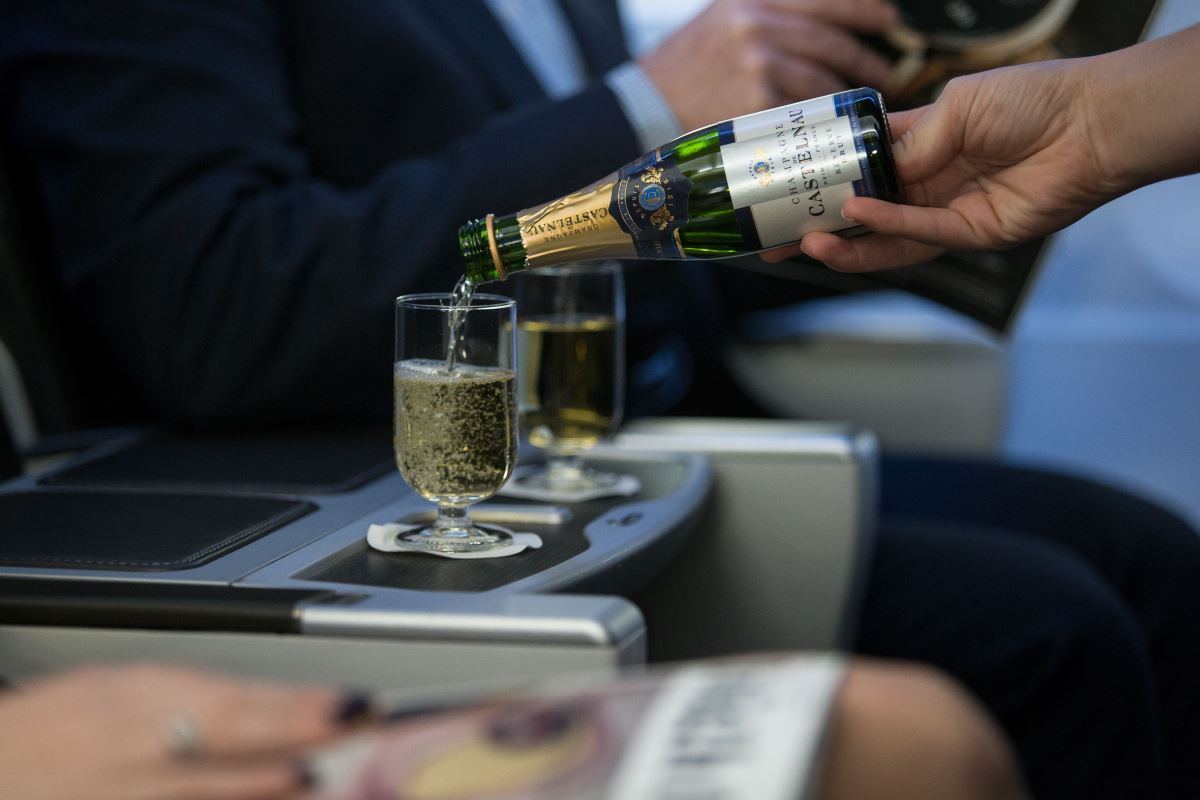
{"type": "Point", "coordinates": [184, 739]}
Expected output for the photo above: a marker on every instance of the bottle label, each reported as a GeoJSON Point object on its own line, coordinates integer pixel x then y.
{"type": "Point", "coordinates": [795, 161]}
{"type": "Point", "coordinates": [765, 123]}
{"type": "Point", "coordinates": [781, 221]}
{"type": "Point", "coordinates": [634, 213]}
{"type": "Point", "coordinates": [577, 227]}
{"type": "Point", "coordinates": [650, 201]}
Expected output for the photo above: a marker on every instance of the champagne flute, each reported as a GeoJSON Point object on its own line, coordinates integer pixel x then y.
{"type": "Point", "coordinates": [455, 433]}
{"type": "Point", "coordinates": [571, 352]}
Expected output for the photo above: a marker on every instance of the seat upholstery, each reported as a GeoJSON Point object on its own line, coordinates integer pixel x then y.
{"type": "Point", "coordinates": [31, 316]}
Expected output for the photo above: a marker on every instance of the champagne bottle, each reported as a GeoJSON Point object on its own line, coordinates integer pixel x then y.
{"type": "Point", "coordinates": [737, 187]}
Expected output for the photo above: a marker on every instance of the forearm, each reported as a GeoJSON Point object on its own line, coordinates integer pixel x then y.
{"type": "Point", "coordinates": [233, 293]}
{"type": "Point", "coordinates": [1145, 108]}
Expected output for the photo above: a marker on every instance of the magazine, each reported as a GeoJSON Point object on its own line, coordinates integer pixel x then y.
{"type": "Point", "coordinates": [728, 730]}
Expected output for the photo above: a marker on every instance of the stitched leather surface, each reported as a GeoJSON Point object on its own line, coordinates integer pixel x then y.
{"type": "Point", "coordinates": [283, 463]}
{"type": "Point", "coordinates": [133, 530]}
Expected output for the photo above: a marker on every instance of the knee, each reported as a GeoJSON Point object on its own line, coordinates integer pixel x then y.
{"type": "Point", "coordinates": [905, 731]}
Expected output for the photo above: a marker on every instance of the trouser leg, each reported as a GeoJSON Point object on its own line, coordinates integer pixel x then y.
{"type": "Point", "coordinates": [1044, 644]}
{"type": "Point", "coordinates": [1148, 556]}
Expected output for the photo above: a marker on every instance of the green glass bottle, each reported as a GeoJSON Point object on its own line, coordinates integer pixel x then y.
{"type": "Point", "coordinates": [737, 187]}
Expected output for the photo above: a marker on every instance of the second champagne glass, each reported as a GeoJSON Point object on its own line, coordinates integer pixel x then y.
{"type": "Point", "coordinates": [571, 354]}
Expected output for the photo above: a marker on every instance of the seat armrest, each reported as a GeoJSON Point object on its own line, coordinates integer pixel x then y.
{"type": "Point", "coordinates": [780, 560]}
{"type": "Point", "coordinates": [920, 377]}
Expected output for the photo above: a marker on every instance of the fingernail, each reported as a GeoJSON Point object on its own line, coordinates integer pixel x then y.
{"type": "Point", "coordinates": [304, 775]}
{"type": "Point", "coordinates": [804, 249]}
{"type": "Point", "coordinates": [847, 217]}
{"type": "Point", "coordinates": [354, 708]}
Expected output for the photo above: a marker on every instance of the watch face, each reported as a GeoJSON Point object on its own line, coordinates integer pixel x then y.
{"type": "Point", "coordinates": [972, 18]}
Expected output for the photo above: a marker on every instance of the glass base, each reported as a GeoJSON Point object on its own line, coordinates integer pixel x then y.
{"type": "Point", "coordinates": [570, 479]}
{"type": "Point", "coordinates": [470, 539]}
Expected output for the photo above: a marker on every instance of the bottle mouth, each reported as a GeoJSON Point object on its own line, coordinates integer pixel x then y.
{"type": "Point", "coordinates": [475, 249]}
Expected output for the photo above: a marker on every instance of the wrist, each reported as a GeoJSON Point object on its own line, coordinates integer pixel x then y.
{"type": "Point", "coordinates": [658, 72]}
{"type": "Point", "coordinates": [648, 111]}
{"type": "Point", "coordinates": [1143, 112]}
{"type": "Point", "coordinates": [1103, 104]}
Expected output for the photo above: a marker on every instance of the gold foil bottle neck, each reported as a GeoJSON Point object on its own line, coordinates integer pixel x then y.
{"type": "Point", "coordinates": [497, 262]}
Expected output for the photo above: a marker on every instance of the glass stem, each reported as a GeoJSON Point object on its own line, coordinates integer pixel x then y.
{"type": "Point", "coordinates": [452, 519]}
{"type": "Point", "coordinates": [562, 468]}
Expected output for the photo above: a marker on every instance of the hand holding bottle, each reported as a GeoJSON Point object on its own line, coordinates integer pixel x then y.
{"type": "Point", "coordinates": [1016, 153]}
{"type": "Point", "coordinates": [741, 56]}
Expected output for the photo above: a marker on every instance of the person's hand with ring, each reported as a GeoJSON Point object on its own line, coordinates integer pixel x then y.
{"type": "Point", "coordinates": [151, 733]}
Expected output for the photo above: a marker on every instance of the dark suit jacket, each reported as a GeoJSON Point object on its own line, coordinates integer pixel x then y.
{"type": "Point", "coordinates": [236, 189]}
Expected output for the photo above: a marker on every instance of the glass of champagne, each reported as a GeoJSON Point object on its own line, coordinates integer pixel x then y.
{"type": "Point", "coordinates": [455, 433]}
{"type": "Point", "coordinates": [571, 352]}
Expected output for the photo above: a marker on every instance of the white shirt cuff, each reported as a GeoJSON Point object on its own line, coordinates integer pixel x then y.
{"type": "Point", "coordinates": [646, 109]}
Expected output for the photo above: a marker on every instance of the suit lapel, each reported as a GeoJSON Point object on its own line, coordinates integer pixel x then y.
{"type": "Point", "coordinates": [471, 27]}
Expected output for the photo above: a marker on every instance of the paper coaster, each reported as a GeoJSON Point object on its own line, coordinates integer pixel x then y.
{"type": "Point", "coordinates": [386, 538]}
{"type": "Point", "coordinates": [626, 486]}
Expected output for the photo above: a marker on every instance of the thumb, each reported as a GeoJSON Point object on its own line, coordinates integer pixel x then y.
{"type": "Point", "coordinates": [900, 122]}
{"type": "Point", "coordinates": [927, 141]}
